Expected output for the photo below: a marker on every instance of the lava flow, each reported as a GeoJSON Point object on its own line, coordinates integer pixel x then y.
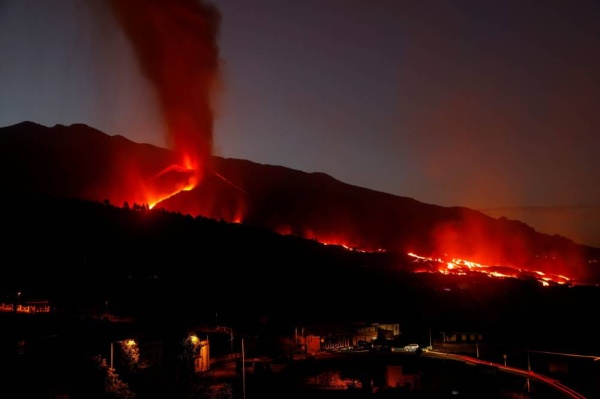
{"type": "Point", "coordinates": [453, 266]}
{"type": "Point", "coordinates": [170, 181]}
{"type": "Point", "coordinates": [464, 267]}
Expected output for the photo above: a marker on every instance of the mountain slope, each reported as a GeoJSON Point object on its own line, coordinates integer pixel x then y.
{"type": "Point", "coordinates": [92, 257]}
{"type": "Point", "coordinates": [78, 161]}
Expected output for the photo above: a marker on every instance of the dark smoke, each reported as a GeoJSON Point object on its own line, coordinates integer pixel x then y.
{"type": "Point", "coordinates": [176, 45]}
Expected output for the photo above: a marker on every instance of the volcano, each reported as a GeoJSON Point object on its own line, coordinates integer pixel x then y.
{"type": "Point", "coordinates": [78, 161]}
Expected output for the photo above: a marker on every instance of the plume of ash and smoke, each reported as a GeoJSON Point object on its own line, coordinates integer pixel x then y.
{"type": "Point", "coordinates": [175, 43]}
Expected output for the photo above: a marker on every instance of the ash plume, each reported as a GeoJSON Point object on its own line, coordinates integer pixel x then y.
{"type": "Point", "coordinates": [176, 46]}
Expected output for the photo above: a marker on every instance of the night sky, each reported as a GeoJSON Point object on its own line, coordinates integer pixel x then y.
{"type": "Point", "coordinates": [492, 105]}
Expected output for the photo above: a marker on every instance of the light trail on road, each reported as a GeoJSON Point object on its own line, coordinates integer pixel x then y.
{"type": "Point", "coordinates": [524, 373]}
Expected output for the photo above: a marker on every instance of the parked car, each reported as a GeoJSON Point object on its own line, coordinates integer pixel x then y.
{"type": "Point", "coordinates": [411, 347]}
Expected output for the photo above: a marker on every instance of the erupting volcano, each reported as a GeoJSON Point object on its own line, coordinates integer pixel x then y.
{"type": "Point", "coordinates": [79, 161]}
{"type": "Point", "coordinates": [176, 45]}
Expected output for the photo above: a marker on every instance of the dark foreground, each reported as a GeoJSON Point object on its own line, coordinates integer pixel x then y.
{"type": "Point", "coordinates": [49, 356]}
{"type": "Point", "coordinates": [382, 375]}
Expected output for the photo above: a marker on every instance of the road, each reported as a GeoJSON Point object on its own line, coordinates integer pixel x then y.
{"type": "Point", "coordinates": [523, 373]}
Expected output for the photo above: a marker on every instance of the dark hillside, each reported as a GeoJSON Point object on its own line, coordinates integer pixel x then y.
{"type": "Point", "coordinates": [78, 161]}
{"type": "Point", "coordinates": [168, 267]}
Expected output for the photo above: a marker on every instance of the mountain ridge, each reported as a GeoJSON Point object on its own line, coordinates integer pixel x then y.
{"type": "Point", "coordinates": [82, 162]}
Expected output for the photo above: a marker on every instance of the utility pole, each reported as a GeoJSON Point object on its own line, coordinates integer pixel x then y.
{"type": "Point", "coordinates": [16, 308]}
{"type": "Point", "coordinates": [243, 372]}
{"type": "Point", "coordinates": [430, 345]}
{"type": "Point", "coordinates": [528, 369]}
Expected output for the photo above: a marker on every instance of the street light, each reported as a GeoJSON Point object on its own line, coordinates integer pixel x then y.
{"type": "Point", "coordinates": [197, 351]}
{"type": "Point", "coordinates": [129, 345]}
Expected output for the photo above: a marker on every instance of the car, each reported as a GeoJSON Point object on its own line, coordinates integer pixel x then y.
{"type": "Point", "coordinates": [411, 347]}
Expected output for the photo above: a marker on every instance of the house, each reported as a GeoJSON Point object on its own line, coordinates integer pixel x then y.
{"type": "Point", "coordinates": [396, 378]}
{"type": "Point", "coordinates": [470, 343]}
{"type": "Point", "coordinates": [40, 306]}
{"type": "Point", "coordinates": [376, 333]}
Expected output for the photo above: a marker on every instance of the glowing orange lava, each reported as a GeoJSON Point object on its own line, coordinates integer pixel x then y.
{"type": "Point", "coordinates": [170, 181]}
{"type": "Point", "coordinates": [445, 264]}
{"type": "Point", "coordinates": [464, 267]}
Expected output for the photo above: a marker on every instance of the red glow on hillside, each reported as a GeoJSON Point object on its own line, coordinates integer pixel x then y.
{"type": "Point", "coordinates": [507, 244]}
{"type": "Point", "coordinates": [462, 247]}
{"type": "Point", "coordinates": [466, 245]}
{"type": "Point", "coordinates": [169, 182]}
{"type": "Point", "coordinates": [135, 185]}
{"type": "Point", "coordinates": [330, 238]}
{"type": "Point", "coordinates": [340, 240]}
{"type": "Point", "coordinates": [284, 230]}
{"type": "Point", "coordinates": [213, 197]}
{"type": "Point", "coordinates": [326, 238]}
{"type": "Point", "coordinates": [455, 266]}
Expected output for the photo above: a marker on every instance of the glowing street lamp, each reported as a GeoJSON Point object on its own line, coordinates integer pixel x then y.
{"type": "Point", "coordinates": [191, 345]}
{"type": "Point", "coordinates": [196, 352]}
{"type": "Point", "coordinates": [129, 346]}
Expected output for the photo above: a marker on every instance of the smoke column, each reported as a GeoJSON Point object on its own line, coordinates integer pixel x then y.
{"type": "Point", "coordinates": [175, 42]}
